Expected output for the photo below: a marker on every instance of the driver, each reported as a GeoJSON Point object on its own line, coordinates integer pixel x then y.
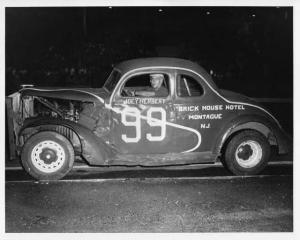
{"type": "Point", "coordinates": [157, 89]}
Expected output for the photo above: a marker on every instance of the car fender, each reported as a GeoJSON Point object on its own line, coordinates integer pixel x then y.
{"type": "Point", "coordinates": [270, 129]}
{"type": "Point", "coordinates": [94, 149]}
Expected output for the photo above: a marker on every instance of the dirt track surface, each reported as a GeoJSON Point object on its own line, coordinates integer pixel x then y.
{"type": "Point", "coordinates": [258, 204]}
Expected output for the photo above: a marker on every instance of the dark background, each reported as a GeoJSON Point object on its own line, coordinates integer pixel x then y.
{"type": "Point", "coordinates": [246, 49]}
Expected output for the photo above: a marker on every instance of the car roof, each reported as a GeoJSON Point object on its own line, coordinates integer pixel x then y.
{"type": "Point", "coordinates": [132, 64]}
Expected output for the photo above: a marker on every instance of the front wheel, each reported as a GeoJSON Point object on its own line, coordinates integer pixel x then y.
{"type": "Point", "coordinates": [47, 156]}
{"type": "Point", "coordinates": [247, 153]}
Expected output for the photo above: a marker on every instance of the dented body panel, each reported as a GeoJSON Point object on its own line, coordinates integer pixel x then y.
{"type": "Point", "coordinates": [118, 129]}
{"type": "Point", "coordinates": [93, 148]}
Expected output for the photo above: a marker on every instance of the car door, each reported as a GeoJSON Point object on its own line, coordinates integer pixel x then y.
{"type": "Point", "coordinates": [197, 110]}
{"type": "Point", "coordinates": [140, 124]}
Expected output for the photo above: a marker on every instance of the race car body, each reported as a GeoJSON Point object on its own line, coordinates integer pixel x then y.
{"type": "Point", "coordinates": [193, 122]}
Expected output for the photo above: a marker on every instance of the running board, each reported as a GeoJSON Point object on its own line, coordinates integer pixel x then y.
{"type": "Point", "coordinates": [163, 159]}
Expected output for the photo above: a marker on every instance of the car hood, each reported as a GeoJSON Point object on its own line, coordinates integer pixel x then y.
{"type": "Point", "coordinates": [80, 94]}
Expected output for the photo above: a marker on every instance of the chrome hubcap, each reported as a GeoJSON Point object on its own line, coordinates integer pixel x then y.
{"type": "Point", "coordinates": [248, 154]}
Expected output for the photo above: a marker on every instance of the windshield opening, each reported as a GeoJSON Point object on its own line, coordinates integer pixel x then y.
{"type": "Point", "coordinates": [112, 80]}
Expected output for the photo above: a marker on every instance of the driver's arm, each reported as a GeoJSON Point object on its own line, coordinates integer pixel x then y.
{"type": "Point", "coordinates": [144, 93]}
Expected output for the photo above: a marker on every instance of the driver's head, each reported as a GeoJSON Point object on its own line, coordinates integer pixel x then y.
{"type": "Point", "coordinates": [156, 80]}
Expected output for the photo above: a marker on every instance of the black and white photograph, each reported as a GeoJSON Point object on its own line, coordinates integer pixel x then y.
{"type": "Point", "coordinates": [156, 118]}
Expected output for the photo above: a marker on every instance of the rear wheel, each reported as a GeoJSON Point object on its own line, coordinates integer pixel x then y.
{"type": "Point", "coordinates": [47, 156]}
{"type": "Point", "coordinates": [247, 153]}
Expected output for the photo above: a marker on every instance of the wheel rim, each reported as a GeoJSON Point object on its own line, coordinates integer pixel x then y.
{"type": "Point", "coordinates": [248, 154]}
{"type": "Point", "coordinates": [48, 156]}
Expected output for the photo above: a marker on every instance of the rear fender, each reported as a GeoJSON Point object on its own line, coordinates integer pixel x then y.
{"type": "Point", "coordinates": [93, 149]}
{"type": "Point", "coordinates": [274, 134]}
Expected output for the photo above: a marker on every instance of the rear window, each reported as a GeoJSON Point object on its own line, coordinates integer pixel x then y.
{"type": "Point", "coordinates": [188, 87]}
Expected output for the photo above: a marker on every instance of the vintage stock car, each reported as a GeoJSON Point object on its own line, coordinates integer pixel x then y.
{"type": "Point", "coordinates": [125, 123]}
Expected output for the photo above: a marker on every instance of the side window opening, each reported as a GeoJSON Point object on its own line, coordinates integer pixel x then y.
{"type": "Point", "coordinates": [147, 85]}
{"type": "Point", "coordinates": [188, 87]}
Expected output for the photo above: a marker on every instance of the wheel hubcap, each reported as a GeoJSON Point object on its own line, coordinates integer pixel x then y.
{"type": "Point", "coordinates": [48, 156]}
{"type": "Point", "coordinates": [248, 154]}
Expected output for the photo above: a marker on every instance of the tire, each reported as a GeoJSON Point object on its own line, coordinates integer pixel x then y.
{"type": "Point", "coordinates": [247, 153]}
{"type": "Point", "coordinates": [47, 155]}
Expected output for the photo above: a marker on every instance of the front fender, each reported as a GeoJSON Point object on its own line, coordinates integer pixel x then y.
{"type": "Point", "coordinates": [94, 149]}
{"type": "Point", "coordinates": [258, 123]}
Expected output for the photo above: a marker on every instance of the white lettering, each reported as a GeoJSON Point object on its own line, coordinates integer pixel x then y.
{"type": "Point", "coordinates": [153, 122]}
{"type": "Point", "coordinates": [188, 108]}
{"type": "Point", "coordinates": [203, 125]}
{"type": "Point", "coordinates": [206, 116]}
{"type": "Point", "coordinates": [144, 101]}
{"type": "Point", "coordinates": [234, 107]}
{"type": "Point", "coordinates": [132, 112]}
{"type": "Point", "coordinates": [212, 108]}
